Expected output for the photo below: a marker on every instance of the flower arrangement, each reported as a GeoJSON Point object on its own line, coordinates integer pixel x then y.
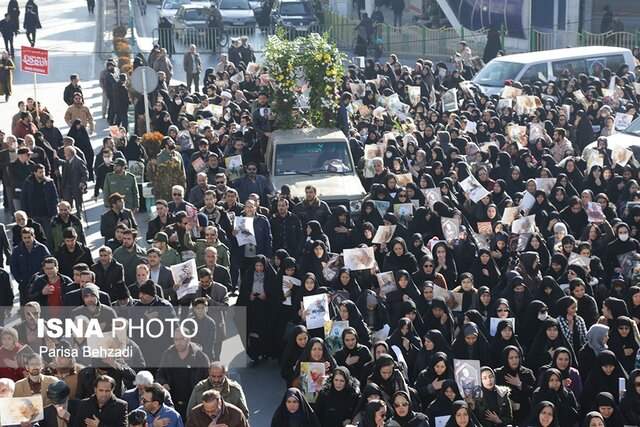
{"type": "Point", "coordinates": [312, 59]}
{"type": "Point", "coordinates": [122, 49]}
{"type": "Point", "coordinates": [151, 142]}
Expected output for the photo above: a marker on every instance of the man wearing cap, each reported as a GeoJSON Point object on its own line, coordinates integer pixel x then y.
{"type": "Point", "coordinates": [18, 173]}
{"type": "Point", "coordinates": [134, 396]}
{"type": "Point", "coordinates": [62, 411]}
{"type": "Point", "coordinates": [35, 382]}
{"type": "Point", "coordinates": [72, 252]}
{"type": "Point", "coordinates": [115, 215]}
{"type": "Point", "coordinates": [93, 309]}
{"type": "Point", "coordinates": [122, 182]}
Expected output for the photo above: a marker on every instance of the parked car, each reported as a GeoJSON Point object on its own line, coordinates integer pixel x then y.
{"type": "Point", "coordinates": [237, 13]}
{"type": "Point", "coordinates": [169, 8]}
{"type": "Point", "coordinates": [547, 65]}
{"type": "Point", "coordinates": [296, 16]}
{"type": "Point", "coordinates": [190, 20]}
{"type": "Point", "coordinates": [628, 138]}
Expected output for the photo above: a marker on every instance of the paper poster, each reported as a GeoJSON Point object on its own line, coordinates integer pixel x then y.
{"type": "Point", "coordinates": [244, 226]}
{"type": "Point", "coordinates": [404, 211]}
{"type": "Point", "coordinates": [450, 228]}
{"type": "Point", "coordinates": [317, 310]}
{"type": "Point", "coordinates": [190, 108]}
{"type": "Point", "coordinates": [511, 92]}
{"type": "Point", "coordinates": [185, 275]}
{"type": "Point", "coordinates": [137, 169]}
{"type": "Point", "coordinates": [467, 375]}
{"type": "Point", "coordinates": [582, 261]}
{"type": "Point", "coordinates": [517, 134]}
{"type": "Point", "coordinates": [566, 110]}
{"type": "Point", "coordinates": [384, 234]}
{"type": "Point", "coordinates": [333, 334]}
{"type": "Point", "coordinates": [357, 89]}
{"type": "Point", "coordinates": [527, 201]}
{"type": "Point", "coordinates": [621, 156]}
{"type": "Point", "coordinates": [452, 299]}
{"type": "Point", "coordinates": [536, 131]}
{"type": "Point", "coordinates": [17, 410]}
{"type": "Point", "coordinates": [288, 282]}
{"type": "Point", "coordinates": [414, 93]}
{"type": "Point", "coordinates": [359, 258]}
{"type": "Point", "coordinates": [474, 190]}
{"type": "Point", "coordinates": [527, 104]}
{"type": "Point", "coordinates": [403, 179]}
{"type": "Point", "coordinates": [215, 110]}
{"type": "Point", "coordinates": [482, 240]}
{"type": "Point", "coordinates": [622, 121]}
{"type": "Point", "coordinates": [198, 165]}
{"type": "Point", "coordinates": [504, 103]}
{"type": "Point", "coordinates": [330, 270]}
{"type": "Point", "coordinates": [234, 167]}
{"type": "Point", "coordinates": [509, 215]}
{"type": "Point", "coordinates": [579, 96]}
{"type": "Point", "coordinates": [312, 377]}
{"type": "Point", "coordinates": [524, 225]}
{"type": "Point", "coordinates": [431, 195]}
{"type": "Point", "coordinates": [253, 68]}
{"type": "Point", "coordinates": [371, 151]}
{"type": "Point", "coordinates": [595, 158]}
{"type": "Point", "coordinates": [237, 77]}
{"type": "Point", "coordinates": [382, 206]}
{"type": "Point", "coordinates": [379, 112]}
{"type": "Point", "coordinates": [471, 127]}
{"type": "Point", "coordinates": [369, 170]}
{"type": "Point", "coordinates": [629, 263]}
{"type": "Point", "coordinates": [387, 283]}
{"type": "Point", "coordinates": [442, 421]}
{"type": "Point", "coordinates": [450, 100]}
{"type": "Point", "coordinates": [545, 184]}
{"type": "Point", "coordinates": [594, 213]}
{"type": "Point", "coordinates": [493, 324]}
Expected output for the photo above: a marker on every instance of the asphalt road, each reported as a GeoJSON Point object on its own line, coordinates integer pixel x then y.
{"type": "Point", "coordinates": [69, 33]}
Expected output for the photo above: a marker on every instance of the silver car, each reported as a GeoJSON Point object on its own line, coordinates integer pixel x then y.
{"type": "Point", "coordinates": [237, 13]}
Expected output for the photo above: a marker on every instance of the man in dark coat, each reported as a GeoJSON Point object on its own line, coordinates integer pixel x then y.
{"type": "Point", "coordinates": [26, 260]}
{"type": "Point", "coordinates": [18, 173]}
{"type": "Point", "coordinates": [62, 408]}
{"type": "Point", "coordinates": [74, 178]}
{"type": "Point", "coordinates": [116, 214]}
{"type": "Point", "coordinates": [72, 252]}
{"type": "Point", "coordinates": [312, 207]}
{"type": "Point", "coordinates": [72, 88]}
{"type": "Point", "coordinates": [6, 294]}
{"type": "Point", "coordinates": [286, 229]}
{"type": "Point", "coordinates": [31, 21]}
{"type": "Point", "coordinates": [6, 29]}
{"type": "Point", "coordinates": [48, 289]}
{"type": "Point", "coordinates": [103, 407]}
{"type": "Point", "coordinates": [109, 272]}
{"type": "Point", "coordinates": [120, 100]}
{"type": "Point", "coordinates": [39, 198]}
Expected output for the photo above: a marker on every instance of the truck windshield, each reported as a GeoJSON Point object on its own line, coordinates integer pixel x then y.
{"type": "Point", "coordinates": [633, 128]}
{"type": "Point", "coordinates": [312, 158]}
{"type": "Point", "coordinates": [496, 72]}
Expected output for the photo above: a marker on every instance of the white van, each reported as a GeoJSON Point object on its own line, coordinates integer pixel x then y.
{"type": "Point", "coordinates": [548, 64]}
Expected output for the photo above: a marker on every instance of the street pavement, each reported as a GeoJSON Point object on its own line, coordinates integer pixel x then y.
{"type": "Point", "coordinates": [69, 33]}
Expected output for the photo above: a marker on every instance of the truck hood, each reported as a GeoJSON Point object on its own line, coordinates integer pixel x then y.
{"type": "Point", "coordinates": [618, 140]}
{"type": "Point", "coordinates": [330, 187]}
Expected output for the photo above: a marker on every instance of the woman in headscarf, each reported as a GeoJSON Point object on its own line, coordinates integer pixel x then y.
{"type": "Point", "coordinates": [544, 415]}
{"type": "Point", "coordinates": [404, 413]}
{"type": "Point", "coordinates": [399, 258]}
{"type": "Point", "coordinates": [587, 306]}
{"type": "Point", "coordinates": [314, 232]}
{"type": "Point", "coordinates": [462, 416]}
{"type": "Point", "coordinates": [353, 355]}
{"type": "Point", "coordinates": [294, 411]}
{"type": "Point", "coordinates": [609, 409]}
{"type": "Point", "coordinates": [471, 344]}
{"type": "Point", "coordinates": [339, 228]}
{"type": "Point", "coordinates": [374, 310]}
{"type": "Point", "coordinates": [337, 401]}
{"type": "Point", "coordinates": [485, 271]}
{"type": "Point", "coordinates": [552, 390]}
{"type": "Point", "coordinates": [518, 295]}
{"type": "Point", "coordinates": [549, 292]}
{"type": "Point", "coordinates": [406, 290]}
{"type": "Point", "coordinates": [445, 263]}
{"type": "Point", "coordinates": [375, 414]}
{"type": "Point", "coordinates": [596, 343]}
{"type": "Point", "coordinates": [431, 380]}
{"type": "Point", "coordinates": [470, 299]}
{"type": "Point", "coordinates": [504, 337]}
{"type": "Point", "coordinates": [432, 342]}
{"type": "Point", "coordinates": [539, 245]}
{"type": "Point", "coordinates": [388, 377]}
{"type": "Point", "coordinates": [548, 339]}
{"type": "Point", "coordinates": [529, 268]}
{"type": "Point", "coordinates": [369, 213]}
{"type": "Point", "coordinates": [603, 376]}
{"type": "Point", "coordinates": [439, 317]}
{"type": "Point", "coordinates": [520, 380]}
{"type": "Point", "coordinates": [78, 132]}
{"type": "Point", "coordinates": [624, 342]}
{"type": "Point", "coordinates": [594, 419]}
{"type": "Point", "coordinates": [309, 287]}
{"type": "Point", "coordinates": [259, 293]}
{"type": "Point", "coordinates": [630, 404]}
{"type": "Point", "coordinates": [494, 407]}
{"type": "Point", "coordinates": [571, 324]}
{"type": "Point", "coordinates": [348, 311]}
{"type": "Point", "coordinates": [443, 403]}
{"type": "Point", "coordinates": [427, 273]}
{"type": "Point", "coordinates": [316, 351]}
{"type": "Point", "coordinates": [563, 361]}
{"type": "Point", "coordinates": [531, 322]}
{"type": "Point", "coordinates": [316, 260]}
{"type": "Point", "coordinates": [405, 338]}
{"type": "Point", "coordinates": [296, 343]}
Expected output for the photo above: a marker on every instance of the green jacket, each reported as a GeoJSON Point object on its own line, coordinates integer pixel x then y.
{"type": "Point", "coordinates": [57, 227]}
{"type": "Point", "coordinates": [223, 253]}
{"type": "Point", "coordinates": [170, 257]}
{"type": "Point", "coordinates": [129, 261]}
{"type": "Point", "coordinates": [231, 393]}
{"type": "Point", "coordinates": [124, 184]}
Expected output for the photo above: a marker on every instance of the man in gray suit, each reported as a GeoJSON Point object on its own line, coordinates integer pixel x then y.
{"type": "Point", "coordinates": [193, 67]}
{"type": "Point", "coordinates": [74, 179]}
{"type": "Point", "coordinates": [160, 274]}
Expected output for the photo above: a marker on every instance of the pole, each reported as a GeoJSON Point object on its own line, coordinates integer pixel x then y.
{"type": "Point", "coordinates": [556, 12]}
{"type": "Point", "coordinates": [147, 120]}
{"type": "Point", "coordinates": [35, 97]}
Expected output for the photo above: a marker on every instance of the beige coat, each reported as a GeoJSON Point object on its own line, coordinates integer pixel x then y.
{"type": "Point", "coordinates": [82, 113]}
{"type": "Point", "coordinates": [23, 389]}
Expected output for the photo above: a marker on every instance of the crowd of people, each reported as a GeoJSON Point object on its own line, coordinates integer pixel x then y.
{"type": "Point", "coordinates": [538, 279]}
